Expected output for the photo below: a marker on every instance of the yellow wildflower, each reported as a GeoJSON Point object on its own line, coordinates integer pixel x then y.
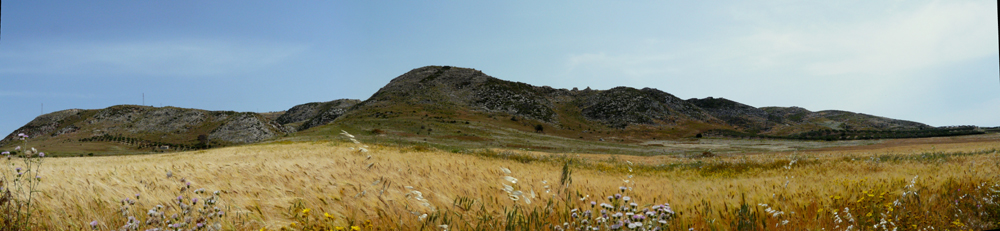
{"type": "Point", "coordinates": [305, 211]}
{"type": "Point", "coordinates": [339, 228]}
{"type": "Point", "coordinates": [355, 228]}
{"type": "Point", "coordinates": [328, 216]}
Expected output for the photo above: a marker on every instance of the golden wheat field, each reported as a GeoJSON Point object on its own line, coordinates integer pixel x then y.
{"type": "Point", "coordinates": [335, 185]}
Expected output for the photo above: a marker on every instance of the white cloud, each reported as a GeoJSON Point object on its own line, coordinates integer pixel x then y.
{"type": "Point", "coordinates": [933, 35]}
{"type": "Point", "coordinates": [836, 48]}
{"type": "Point", "coordinates": [179, 58]}
{"type": "Point", "coordinates": [894, 42]}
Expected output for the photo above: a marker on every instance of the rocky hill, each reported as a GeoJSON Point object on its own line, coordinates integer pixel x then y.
{"type": "Point", "coordinates": [788, 120]}
{"type": "Point", "coordinates": [447, 91]}
{"type": "Point", "coordinates": [144, 127]}
{"type": "Point", "coordinates": [451, 91]}
{"type": "Point", "coordinates": [416, 103]}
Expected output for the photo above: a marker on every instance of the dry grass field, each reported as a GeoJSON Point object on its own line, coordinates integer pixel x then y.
{"type": "Point", "coordinates": [920, 184]}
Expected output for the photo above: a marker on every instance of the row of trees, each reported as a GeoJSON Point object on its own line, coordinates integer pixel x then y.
{"type": "Point", "coordinates": [202, 143]}
{"type": "Point", "coordinates": [830, 135]}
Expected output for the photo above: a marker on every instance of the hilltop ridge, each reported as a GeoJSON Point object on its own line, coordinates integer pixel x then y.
{"type": "Point", "coordinates": [452, 103]}
{"type": "Point", "coordinates": [453, 90]}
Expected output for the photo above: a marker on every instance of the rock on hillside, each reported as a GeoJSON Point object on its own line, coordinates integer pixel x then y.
{"type": "Point", "coordinates": [315, 114]}
{"type": "Point", "coordinates": [245, 127]}
{"type": "Point", "coordinates": [158, 124]}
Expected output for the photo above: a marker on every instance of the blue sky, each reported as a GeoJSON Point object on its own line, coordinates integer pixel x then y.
{"type": "Point", "coordinates": [934, 62]}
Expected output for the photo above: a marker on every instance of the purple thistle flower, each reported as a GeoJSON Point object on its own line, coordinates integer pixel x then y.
{"type": "Point", "coordinates": [6, 153]}
{"type": "Point", "coordinates": [618, 196]}
{"type": "Point", "coordinates": [593, 203]}
{"type": "Point", "coordinates": [41, 154]}
{"type": "Point", "coordinates": [194, 201]}
{"type": "Point", "coordinates": [18, 148]}
{"type": "Point", "coordinates": [93, 224]}
{"type": "Point", "coordinates": [18, 169]}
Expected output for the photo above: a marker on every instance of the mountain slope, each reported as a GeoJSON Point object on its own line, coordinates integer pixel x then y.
{"type": "Point", "coordinates": [305, 116]}
{"type": "Point", "coordinates": [443, 103]}
{"type": "Point", "coordinates": [451, 91]}
{"type": "Point", "coordinates": [460, 93]}
{"type": "Point", "coordinates": [143, 127]}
